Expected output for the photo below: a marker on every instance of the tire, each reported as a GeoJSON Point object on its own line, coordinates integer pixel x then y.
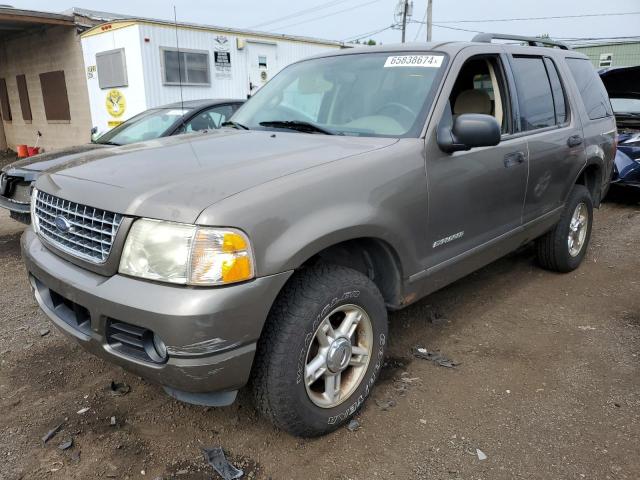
{"type": "Point", "coordinates": [553, 250]}
{"type": "Point", "coordinates": [291, 339]}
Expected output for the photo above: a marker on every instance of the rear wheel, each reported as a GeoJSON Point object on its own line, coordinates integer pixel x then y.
{"type": "Point", "coordinates": [321, 350]}
{"type": "Point", "coordinates": [563, 248]}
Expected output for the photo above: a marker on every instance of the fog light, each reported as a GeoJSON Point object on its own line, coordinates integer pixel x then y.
{"type": "Point", "coordinates": [154, 347]}
{"type": "Point", "coordinates": [160, 347]}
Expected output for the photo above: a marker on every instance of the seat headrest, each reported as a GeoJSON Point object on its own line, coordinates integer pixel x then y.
{"type": "Point", "coordinates": [472, 101]}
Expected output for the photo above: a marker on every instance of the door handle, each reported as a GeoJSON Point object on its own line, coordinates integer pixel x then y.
{"type": "Point", "coordinates": [514, 158]}
{"type": "Point", "coordinates": [574, 141]}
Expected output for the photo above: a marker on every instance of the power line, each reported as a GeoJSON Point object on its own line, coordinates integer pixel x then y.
{"type": "Point", "coordinates": [367, 34]}
{"type": "Point", "coordinates": [329, 14]}
{"type": "Point", "coordinates": [448, 28]}
{"type": "Point", "coordinates": [492, 20]}
{"type": "Point", "coordinates": [422, 23]}
{"type": "Point", "coordinates": [300, 13]}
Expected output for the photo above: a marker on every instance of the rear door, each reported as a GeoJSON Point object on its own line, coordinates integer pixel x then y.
{"type": "Point", "coordinates": [598, 120]}
{"type": "Point", "coordinates": [553, 132]}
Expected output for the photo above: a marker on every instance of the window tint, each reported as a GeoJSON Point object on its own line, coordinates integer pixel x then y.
{"type": "Point", "coordinates": [594, 96]}
{"type": "Point", "coordinates": [534, 93]}
{"type": "Point", "coordinates": [558, 92]}
{"type": "Point", "coordinates": [192, 67]}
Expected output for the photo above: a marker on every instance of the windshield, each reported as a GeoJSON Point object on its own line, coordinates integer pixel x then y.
{"type": "Point", "coordinates": [371, 94]}
{"type": "Point", "coordinates": [626, 105]}
{"type": "Point", "coordinates": [145, 126]}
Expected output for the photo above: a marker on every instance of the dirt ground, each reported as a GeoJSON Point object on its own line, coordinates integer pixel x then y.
{"type": "Point", "coordinates": [548, 386]}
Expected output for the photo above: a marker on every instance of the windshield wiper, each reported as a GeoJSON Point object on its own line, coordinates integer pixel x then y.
{"type": "Point", "coordinates": [233, 124]}
{"type": "Point", "coordinates": [298, 125]}
{"type": "Point", "coordinates": [108, 143]}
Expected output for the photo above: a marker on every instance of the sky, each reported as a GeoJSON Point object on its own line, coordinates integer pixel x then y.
{"type": "Point", "coordinates": [347, 19]}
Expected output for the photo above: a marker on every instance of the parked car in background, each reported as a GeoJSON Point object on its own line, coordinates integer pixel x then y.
{"type": "Point", "coordinates": [172, 119]}
{"type": "Point", "coordinates": [623, 86]}
{"type": "Point", "coordinates": [355, 182]}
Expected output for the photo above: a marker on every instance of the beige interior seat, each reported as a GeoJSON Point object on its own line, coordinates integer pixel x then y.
{"type": "Point", "coordinates": [472, 101]}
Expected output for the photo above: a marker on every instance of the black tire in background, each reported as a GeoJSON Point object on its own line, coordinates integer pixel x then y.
{"type": "Point", "coordinates": [553, 247]}
{"type": "Point", "coordinates": [278, 376]}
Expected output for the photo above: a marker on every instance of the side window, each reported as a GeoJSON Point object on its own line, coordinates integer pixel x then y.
{"type": "Point", "coordinates": [594, 96]}
{"type": "Point", "coordinates": [480, 88]}
{"type": "Point", "coordinates": [534, 93]}
{"type": "Point", "coordinates": [559, 99]}
{"type": "Point", "coordinates": [209, 119]}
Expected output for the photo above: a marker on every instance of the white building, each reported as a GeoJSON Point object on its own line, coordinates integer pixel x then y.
{"type": "Point", "coordinates": [133, 65]}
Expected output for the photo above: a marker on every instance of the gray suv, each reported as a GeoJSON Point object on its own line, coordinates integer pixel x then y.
{"type": "Point", "coordinates": [351, 184]}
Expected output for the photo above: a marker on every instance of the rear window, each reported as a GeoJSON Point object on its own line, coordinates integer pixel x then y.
{"type": "Point", "coordinates": [594, 96]}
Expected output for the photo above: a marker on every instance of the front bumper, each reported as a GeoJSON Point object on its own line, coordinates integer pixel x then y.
{"type": "Point", "coordinates": [12, 205]}
{"type": "Point", "coordinates": [210, 333]}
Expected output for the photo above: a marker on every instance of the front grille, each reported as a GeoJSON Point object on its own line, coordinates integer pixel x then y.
{"type": "Point", "coordinates": [87, 232]}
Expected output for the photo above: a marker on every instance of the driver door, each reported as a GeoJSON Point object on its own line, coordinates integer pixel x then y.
{"type": "Point", "coordinates": [475, 196]}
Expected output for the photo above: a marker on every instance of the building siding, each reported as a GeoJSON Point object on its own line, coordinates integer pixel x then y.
{"type": "Point", "coordinates": [623, 54]}
{"type": "Point", "coordinates": [54, 48]}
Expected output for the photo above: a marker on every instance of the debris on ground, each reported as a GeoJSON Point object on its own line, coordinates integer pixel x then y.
{"type": "Point", "coordinates": [436, 318]}
{"type": "Point", "coordinates": [586, 327]}
{"type": "Point", "coordinates": [113, 421]}
{"type": "Point", "coordinates": [44, 332]}
{"type": "Point", "coordinates": [385, 404]}
{"type": "Point", "coordinates": [75, 456]}
{"type": "Point", "coordinates": [481, 454]}
{"type": "Point", "coordinates": [56, 466]}
{"type": "Point", "coordinates": [52, 433]}
{"type": "Point", "coordinates": [83, 410]}
{"type": "Point", "coordinates": [119, 389]}
{"type": "Point", "coordinates": [353, 425]}
{"type": "Point", "coordinates": [436, 357]}
{"type": "Point", "coordinates": [401, 385]}
{"type": "Point", "coordinates": [216, 458]}
{"type": "Point", "coordinates": [65, 445]}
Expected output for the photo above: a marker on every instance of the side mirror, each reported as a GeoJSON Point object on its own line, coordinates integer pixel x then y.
{"type": "Point", "coordinates": [94, 130]}
{"type": "Point", "coordinates": [469, 130]}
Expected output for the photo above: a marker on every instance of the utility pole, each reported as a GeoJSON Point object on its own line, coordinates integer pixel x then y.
{"type": "Point", "coordinates": [429, 19]}
{"type": "Point", "coordinates": [404, 19]}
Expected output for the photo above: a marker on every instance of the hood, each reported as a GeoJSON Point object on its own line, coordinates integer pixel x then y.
{"type": "Point", "coordinates": [621, 81]}
{"type": "Point", "coordinates": [175, 178]}
{"type": "Point", "coordinates": [33, 165]}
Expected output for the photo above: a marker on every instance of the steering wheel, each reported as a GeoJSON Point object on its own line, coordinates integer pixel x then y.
{"type": "Point", "coordinates": [407, 114]}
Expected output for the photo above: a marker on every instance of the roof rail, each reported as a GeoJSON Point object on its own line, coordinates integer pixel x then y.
{"type": "Point", "coordinates": [531, 41]}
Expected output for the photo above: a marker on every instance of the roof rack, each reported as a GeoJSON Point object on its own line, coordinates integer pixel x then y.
{"type": "Point", "coordinates": [531, 41]}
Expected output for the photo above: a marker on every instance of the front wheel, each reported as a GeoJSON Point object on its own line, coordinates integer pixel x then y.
{"type": "Point", "coordinates": [563, 248]}
{"type": "Point", "coordinates": [321, 350]}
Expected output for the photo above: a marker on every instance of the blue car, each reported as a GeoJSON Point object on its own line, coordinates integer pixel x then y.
{"type": "Point", "coordinates": [623, 86]}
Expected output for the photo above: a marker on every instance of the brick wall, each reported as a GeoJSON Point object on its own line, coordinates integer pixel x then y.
{"type": "Point", "coordinates": [50, 49]}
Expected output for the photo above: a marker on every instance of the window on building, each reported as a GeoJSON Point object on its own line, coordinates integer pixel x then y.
{"type": "Point", "coordinates": [112, 68]}
{"type": "Point", "coordinates": [23, 93]}
{"type": "Point", "coordinates": [262, 61]}
{"type": "Point", "coordinates": [559, 98]}
{"type": "Point", "coordinates": [606, 60]}
{"type": "Point", "coordinates": [5, 108]}
{"type": "Point", "coordinates": [189, 65]}
{"type": "Point", "coordinates": [534, 93]}
{"type": "Point", "coordinates": [54, 96]}
{"type": "Point", "coordinates": [594, 96]}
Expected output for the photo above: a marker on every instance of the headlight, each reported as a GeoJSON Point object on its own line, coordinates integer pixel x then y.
{"type": "Point", "coordinates": [186, 254]}
{"type": "Point", "coordinates": [32, 208]}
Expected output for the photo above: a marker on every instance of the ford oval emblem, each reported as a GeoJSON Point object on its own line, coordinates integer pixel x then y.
{"type": "Point", "coordinates": [62, 224]}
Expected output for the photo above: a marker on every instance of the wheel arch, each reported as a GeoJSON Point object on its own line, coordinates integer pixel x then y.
{"type": "Point", "coordinates": [591, 176]}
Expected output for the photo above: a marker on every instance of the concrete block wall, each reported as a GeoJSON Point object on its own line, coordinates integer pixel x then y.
{"type": "Point", "coordinates": [45, 50]}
